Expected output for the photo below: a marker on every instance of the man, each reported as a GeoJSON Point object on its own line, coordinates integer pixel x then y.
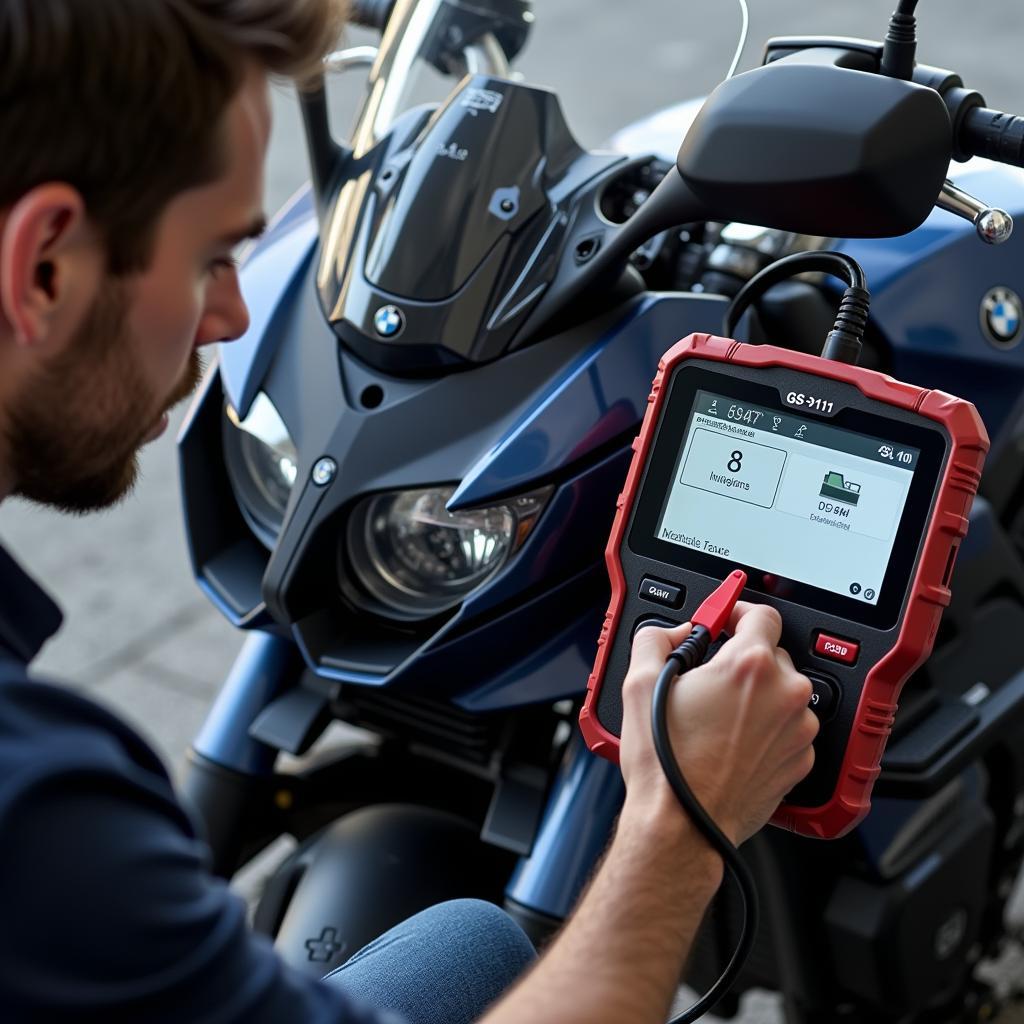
{"type": "Point", "coordinates": [133, 138]}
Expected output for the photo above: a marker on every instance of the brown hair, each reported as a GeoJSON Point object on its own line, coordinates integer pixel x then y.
{"type": "Point", "coordinates": [123, 99]}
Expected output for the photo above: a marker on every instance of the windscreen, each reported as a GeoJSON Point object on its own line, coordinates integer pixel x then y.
{"type": "Point", "coordinates": [801, 500]}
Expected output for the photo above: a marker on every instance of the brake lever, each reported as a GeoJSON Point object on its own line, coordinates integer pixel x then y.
{"type": "Point", "coordinates": [994, 226]}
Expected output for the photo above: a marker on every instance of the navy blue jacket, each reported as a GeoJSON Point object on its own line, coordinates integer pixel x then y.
{"type": "Point", "coordinates": [107, 910]}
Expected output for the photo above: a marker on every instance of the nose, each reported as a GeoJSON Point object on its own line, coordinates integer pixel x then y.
{"type": "Point", "coordinates": [226, 316]}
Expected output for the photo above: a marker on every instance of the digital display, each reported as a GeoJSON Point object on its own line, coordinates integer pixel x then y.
{"type": "Point", "coordinates": [797, 499]}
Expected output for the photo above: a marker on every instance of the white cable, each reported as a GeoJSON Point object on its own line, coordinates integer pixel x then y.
{"type": "Point", "coordinates": [743, 39]}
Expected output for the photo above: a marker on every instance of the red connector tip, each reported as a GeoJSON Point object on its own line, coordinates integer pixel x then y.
{"type": "Point", "coordinates": [714, 613]}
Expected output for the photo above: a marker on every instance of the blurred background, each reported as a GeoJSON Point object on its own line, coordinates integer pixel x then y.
{"type": "Point", "coordinates": [138, 635]}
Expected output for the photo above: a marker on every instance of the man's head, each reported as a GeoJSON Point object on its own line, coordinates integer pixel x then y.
{"type": "Point", "coordinates": [133, 139]}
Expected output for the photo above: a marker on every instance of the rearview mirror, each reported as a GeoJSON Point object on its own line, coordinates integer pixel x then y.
{"type": "Point", "coordinates": [820, 150]}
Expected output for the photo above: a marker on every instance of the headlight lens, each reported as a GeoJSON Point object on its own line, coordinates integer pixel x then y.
{"type": "Point", "coordinates": [262, 465]}
{"type": "Point", "coordinates": [418, 559]}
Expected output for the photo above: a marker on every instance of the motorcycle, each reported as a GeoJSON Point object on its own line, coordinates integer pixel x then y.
{"type": "Point", "coordinates": [400, 482]}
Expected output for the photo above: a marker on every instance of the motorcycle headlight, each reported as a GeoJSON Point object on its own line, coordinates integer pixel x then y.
{"type": "Point", "coordinates": [418, 559]}
{"type": "Point", "coordinates": [262, 465]}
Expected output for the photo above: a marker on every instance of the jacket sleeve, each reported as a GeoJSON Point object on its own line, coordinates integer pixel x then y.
{"type": "Point", "coordinates": [107, 911]}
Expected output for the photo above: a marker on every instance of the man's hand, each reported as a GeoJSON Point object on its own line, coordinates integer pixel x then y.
{"type": "Point", "coordinates": [742, 732]}
{"type": "Point", "coordinates": [740, 725]}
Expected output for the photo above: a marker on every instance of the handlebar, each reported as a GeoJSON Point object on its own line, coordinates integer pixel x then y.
{"type": "Point", "coordinates": [993, 134]}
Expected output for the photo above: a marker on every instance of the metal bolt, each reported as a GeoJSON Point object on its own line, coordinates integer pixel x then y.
{"type": "Point", "coordinates": [507, 206]}
{"type": "Point", "coordinates": [324, 471]}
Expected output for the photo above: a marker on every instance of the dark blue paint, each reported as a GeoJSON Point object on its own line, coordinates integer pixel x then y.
{"type": "Point", "coordinates": [598, 397]}
{"type": "Point", "coordinates": [926, 292]}
{"type": "Point", "coordinates": [577, 824]}
{"type": "Point", "coordinates": [272, 274]}
{"type": "Point", "coordinates": [265, 666]}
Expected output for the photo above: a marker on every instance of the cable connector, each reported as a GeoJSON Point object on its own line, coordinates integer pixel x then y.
{"type": "Point", "coordinates": [709, 620]}
{"type": "Point", "coordinates": [899, 49]}
{"type": "Point", "coordinates": [845, 338]}
{"type": "Point", "coordinates": [843, 343]}
{"type": "Point", "coordinates": [714, 613]}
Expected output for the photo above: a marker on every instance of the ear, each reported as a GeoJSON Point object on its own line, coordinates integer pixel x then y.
{"type": "Point", "coordinates": [50, 264]}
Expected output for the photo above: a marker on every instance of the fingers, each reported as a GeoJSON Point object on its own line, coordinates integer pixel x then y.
{"type": "Point", "coordinates": [799, 683]}
{"type": "Point", "coordinates": [794, 770]}
{"type": "Point", "coordinates": [752, 652]}
{"type": "Point", "coordinates": [653, 644]}
{"type": "Point", "coordinates": [756, 622]}
{"type": "Point", "coordinates": [651, 647]}
{"type": "Point", "coordinates": [784, 660]}
{"type": "Point", "coordinates": [741, 727]}
{"type": "Point", "coordinates": [761, 622]}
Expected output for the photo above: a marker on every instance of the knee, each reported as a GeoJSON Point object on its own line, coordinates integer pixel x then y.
{"type": "Point", "coordinates": [484, 932]}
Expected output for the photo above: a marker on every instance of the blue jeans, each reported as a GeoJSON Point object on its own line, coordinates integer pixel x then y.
{"type": "Point", "coordinates": [446, 965]}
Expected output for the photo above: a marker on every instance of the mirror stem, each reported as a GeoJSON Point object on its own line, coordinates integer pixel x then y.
{"type": "Point", "coordinates": [671, 204]}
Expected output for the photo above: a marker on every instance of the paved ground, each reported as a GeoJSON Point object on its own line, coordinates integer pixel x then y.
{"type": "Point", "coordinates": [139, 635]}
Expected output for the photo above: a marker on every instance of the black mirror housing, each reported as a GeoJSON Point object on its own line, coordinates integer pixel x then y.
{"type": "Point", "coordinates": [820, 150]}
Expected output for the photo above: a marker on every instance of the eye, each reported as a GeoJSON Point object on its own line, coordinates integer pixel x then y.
{"type": "Point", "coordinates": [222, 263]}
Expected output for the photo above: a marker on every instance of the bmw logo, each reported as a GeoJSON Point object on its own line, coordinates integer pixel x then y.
{"type": "Point", "coordinates": [389, 321]}
{"type": "Point", "coordinates": [1002, 316]}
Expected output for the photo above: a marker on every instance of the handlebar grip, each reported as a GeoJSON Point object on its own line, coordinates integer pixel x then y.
{"type": "Point", "coordinates": [371, 13]}
{"type": "Point", "coordinates": [993, 134]}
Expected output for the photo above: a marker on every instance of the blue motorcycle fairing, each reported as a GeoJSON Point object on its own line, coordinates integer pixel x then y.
{"type": "Point", "coordinates": [272, 272]}
{"type": "Point", "coordinates": [589, 453]}
{"type": "Point", "coordinates": [567, 614]}
{"type": "Point", "coordinates": [598, 397]}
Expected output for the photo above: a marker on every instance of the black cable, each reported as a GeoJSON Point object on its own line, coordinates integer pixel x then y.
{"type": "Point", "coordinates": [844, 341]}
{"type": "Point", "coordinates": [689, 653]}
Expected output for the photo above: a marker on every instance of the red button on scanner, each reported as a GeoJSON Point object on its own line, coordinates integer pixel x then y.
{"type": "Point", "coordinates": [832, 647]}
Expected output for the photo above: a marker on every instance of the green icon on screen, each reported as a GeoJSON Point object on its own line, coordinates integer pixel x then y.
{"type": "Point", "coordinates": [838, 489]}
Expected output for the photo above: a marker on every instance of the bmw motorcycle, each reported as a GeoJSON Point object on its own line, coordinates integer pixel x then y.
{"type": "Point", "coordinates": [400, 483]}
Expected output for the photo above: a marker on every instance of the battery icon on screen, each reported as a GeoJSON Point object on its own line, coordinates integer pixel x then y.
{"type": "Point", "coordinates": [838, 489]}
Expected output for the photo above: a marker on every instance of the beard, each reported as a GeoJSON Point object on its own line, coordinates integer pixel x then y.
{"type": "Point", "coordinates": [75, 429]}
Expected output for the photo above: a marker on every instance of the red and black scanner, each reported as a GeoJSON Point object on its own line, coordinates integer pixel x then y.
{"type": "Point", "coordinates": [841, 493]}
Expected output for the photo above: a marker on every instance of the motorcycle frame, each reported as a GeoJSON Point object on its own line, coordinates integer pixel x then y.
{"type": "Point", "coordinates": [233, 779]}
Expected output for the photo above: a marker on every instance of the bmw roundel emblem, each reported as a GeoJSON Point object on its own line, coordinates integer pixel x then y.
{"type": "Point", "coordinates": [1002, 316]}
{"type": "Point", "coordinates": [389, 321]}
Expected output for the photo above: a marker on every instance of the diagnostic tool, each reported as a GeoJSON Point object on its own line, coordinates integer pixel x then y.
{"type": "Point", "coordinates": [841, 493]}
